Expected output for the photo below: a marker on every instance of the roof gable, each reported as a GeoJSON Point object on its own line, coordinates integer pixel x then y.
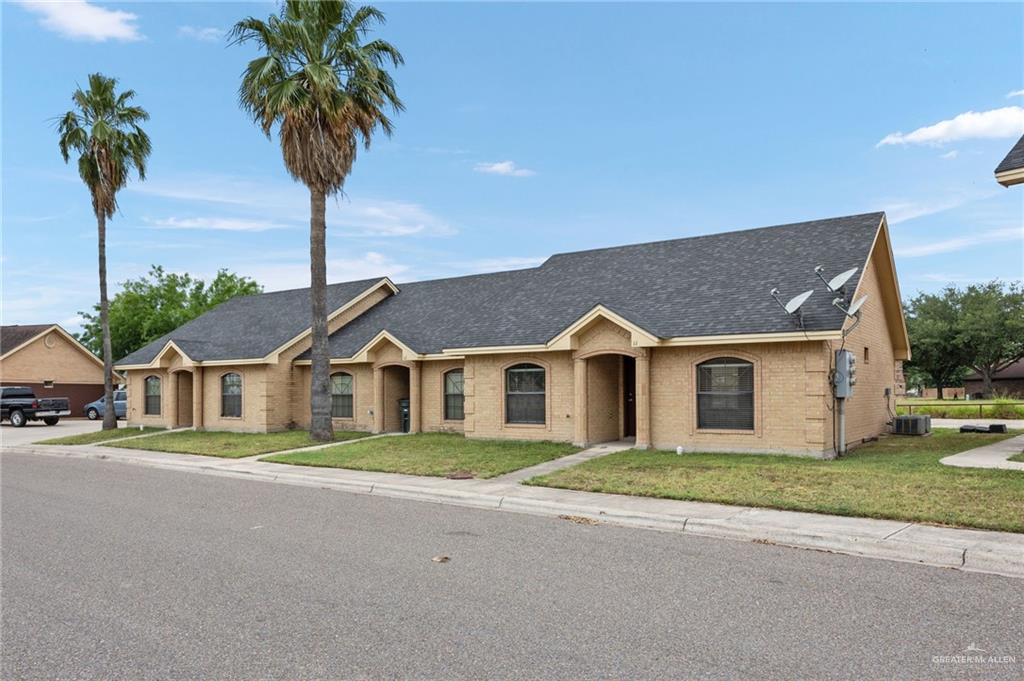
{"type": "Point", "coordinates": [1011, 169]}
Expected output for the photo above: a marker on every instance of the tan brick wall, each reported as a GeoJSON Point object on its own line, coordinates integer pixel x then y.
{"type": "Point", "coordinates": [789, 401]}
{"type": "Point", "coordinates": [485, 397]}
{"type": "Point", "coordinates": [362, 397]}
{"type": "Point", "coordinates": [432, 381]}
{"type": "Point", "coordinates": [37, 362]}
{"type": "Point", "coordinates": [866, 412]}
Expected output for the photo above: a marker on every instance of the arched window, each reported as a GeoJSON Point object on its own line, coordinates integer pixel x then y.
{"type": "Point", "coordinates": [725, 394]}
{"type": "Point", "coordinates": [453, 397]}
{"type": "Point", "coordinates": [151, 407]}
{"type": "Point", "coordinates": [341, 395]}
{"type": "Point", "coordinates": [231, 395]}
{"type": "Point", "coordinates": [524, 394]}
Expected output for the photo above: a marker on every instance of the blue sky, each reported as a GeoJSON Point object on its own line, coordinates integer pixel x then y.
{"type": "Point", "coordinates": [530, 129]}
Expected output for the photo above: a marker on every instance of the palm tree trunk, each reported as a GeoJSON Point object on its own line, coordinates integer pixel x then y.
{"type": "Point", "coordinates": [109, 416]}
{"type": "Point", "coordinates": [320, 428]}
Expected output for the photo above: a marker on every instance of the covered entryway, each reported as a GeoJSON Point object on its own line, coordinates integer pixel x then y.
{"type": "Point", "coordinates": [610, 397]}
{"type": "Point", "coordinates": [395, 382]}
{"type": "Point", "coordinates": [183, 418]}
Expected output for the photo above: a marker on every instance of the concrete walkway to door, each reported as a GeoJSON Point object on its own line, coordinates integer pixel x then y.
{"type": "Point", "coordinates": [602, 449]}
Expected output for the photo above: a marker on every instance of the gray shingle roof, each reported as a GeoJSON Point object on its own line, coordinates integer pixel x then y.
{"type": "Point", "coordinates": [708, 285]}
{"type": "Point", "coordinates": [1014, 159]}
{"type": "Point", "coordinates": [12, 336]}
{"type": "Point", "coordinates": [248, 327]}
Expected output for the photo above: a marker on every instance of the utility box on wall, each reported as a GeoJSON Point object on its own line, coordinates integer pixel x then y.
{"type": "Point", "coordinates": [845, 376]}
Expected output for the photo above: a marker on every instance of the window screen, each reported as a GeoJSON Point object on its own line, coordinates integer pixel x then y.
{"type": "Point", "coordinates": [341, 396]}
{"type": "Point", "coordinates": [231, 395]}
{"type": "Point", "coordinates": [152, 403]}
{"type": "Point", "coordinates": [453, 396]}
{"type": "Point", "coordinates": [725, 394]}
{"type": "Point", "coordinates": [524, 394]}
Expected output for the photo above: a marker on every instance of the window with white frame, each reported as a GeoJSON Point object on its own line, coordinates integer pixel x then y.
{"type": "Point", "coordinates": [453, 396]}
{"type": "Point", "coordinates": [341, 395]}
{"type": "Point", "coordinates": [231, 395]}
{"type": "Point", "coordinates": [525, 394]}
{"type": "Point", "coordinates": [725, 394]}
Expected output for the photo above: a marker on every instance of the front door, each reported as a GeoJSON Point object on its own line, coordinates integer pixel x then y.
{"type": "Point", "coordinates": [184, 419]}
{"type": "Point", "coordinates": [628, 397]}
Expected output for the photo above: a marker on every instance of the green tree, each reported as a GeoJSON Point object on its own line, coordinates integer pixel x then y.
{"type": "Point", "coordinates": [325, 88]}
{"type": "Point", "coordinates": [991, 327]}
{"type": "Point", "coordinates": [153, 305]}
{"type": "Point", "coordinates": [933, 327]}
{"type": "Point", "coordinates": [104, 130]}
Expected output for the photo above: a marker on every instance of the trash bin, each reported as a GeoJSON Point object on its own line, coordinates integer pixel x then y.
{"type": "Point", "coordinates": [403, 412]}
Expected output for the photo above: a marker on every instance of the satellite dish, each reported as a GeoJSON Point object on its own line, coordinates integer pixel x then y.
{"type": "Point", "coordinates": [855, 307]}
{"type": "Point", "coordinates": [840, 279]}
{"type": "Point", "coordinates": [795, 302]}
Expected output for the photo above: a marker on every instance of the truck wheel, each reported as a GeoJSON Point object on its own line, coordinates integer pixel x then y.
{"type": "Point", "coordinates": [92, 414]}
{"type": "Point", "coordinates": [17, 418]}
{"type": "Point", "coordinates": [51, 420]}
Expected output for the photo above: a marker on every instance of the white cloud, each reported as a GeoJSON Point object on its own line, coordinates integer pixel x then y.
{"type": "Point", "coordinates": [215, 223]}
{"type": "Point", "coordinates": [950, 154]}
{"type": "Point", "coordinates": [279, 276]}
{"type": "Point", "coordinates": [1015, 93]}
{"type": "Point", "coordinates": [507, 168]}
{"type": "Point", "coordinates": [206, 34]}
{"type": "Point", "coordinates": [81, 20]}
{"type": "Point", "coordinates": [904, 210]}
{"type": "Point", "coordinates": [993, 124]}
{"type": "Point", "coordinates": [926, 248]}
{"type": "Point", "coordinates": [289, 203]}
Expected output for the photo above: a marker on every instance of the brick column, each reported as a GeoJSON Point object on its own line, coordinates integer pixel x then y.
{"type": "Point", "coordinates": [378, 400]}
{"type": "Point", "coordinates": [579, 410]}
{"type": "Point", "coordinates": [643, 400]}
{"type": "Point", "coordinates": [197, 398]}
{"type": "Point", "coordinates": [414, 398]}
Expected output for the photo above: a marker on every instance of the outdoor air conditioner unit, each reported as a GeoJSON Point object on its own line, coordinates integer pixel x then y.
{"type": "Point", "coordinates": [918, 424]}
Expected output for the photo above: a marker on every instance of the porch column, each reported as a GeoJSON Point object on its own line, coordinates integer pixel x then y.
{"type": "Point", "coordinates": [197, 398]}
{"type": "Point", "coordinates": [643, 400]}
{"type": "Point", "coordinates": [414, 397]}
{"type": "Point", "coordinates": [378, 400]}
{"type": "Point", "coordinates": [579, 410]}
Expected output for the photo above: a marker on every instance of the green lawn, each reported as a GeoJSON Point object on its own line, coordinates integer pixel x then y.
{"type": "Point", "coordinates": [898, 478]}
{"type": "Point", "coordinates": [437, 454]}
{"type": "Point", "coordinates": [229, 445]}
{"type": "Point", "coordinates": [1017, 457]}
{"type": "Point", "coordinates": [98, 436]}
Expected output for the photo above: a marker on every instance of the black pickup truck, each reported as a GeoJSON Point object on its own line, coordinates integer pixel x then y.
{"type": "Point", "coordinates": [20, 405]}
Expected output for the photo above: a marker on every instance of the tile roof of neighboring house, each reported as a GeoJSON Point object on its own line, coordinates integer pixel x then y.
{"type": "Point", "coordinates": [18, 334]}
{"type": "Point", "coordinates": [248, 327]}
{"type": "Point", "coordinates": [699, 286]}
{"type": "Point", "coordinates": [1013, 160]}
{"type": "Point", "coordinates": [1014, 371]}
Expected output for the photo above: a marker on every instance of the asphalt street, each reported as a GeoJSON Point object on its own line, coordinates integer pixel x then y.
{"type": "Point", "coordinates": [114, 571]}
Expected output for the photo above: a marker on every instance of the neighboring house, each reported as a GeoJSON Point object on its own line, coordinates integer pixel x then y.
{"type": "Point", "coordinates": [1011, 170]}
{"type": "Point", "coordinates": [673, 343]}
{"type": "Point", "coordinates": [948, 393]}
{"type": "Point", "coordinates": [52, 362]}
{"type": "Point", "coordinates": [1008, 382]}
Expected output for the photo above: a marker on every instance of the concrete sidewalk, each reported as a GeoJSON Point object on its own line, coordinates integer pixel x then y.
{"type": "Point", "coordinates": [995, 455]}
{"type": "Point", "coordinates": [972, 550]}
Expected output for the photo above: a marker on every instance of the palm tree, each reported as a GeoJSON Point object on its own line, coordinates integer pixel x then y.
{"type": "Point", "coordinates": [104, 129]}
{"type": "Point", "coordinates": [326, 88]}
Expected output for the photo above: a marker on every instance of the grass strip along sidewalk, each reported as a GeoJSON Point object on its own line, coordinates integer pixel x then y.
{"type": "Point", "coordinates": [230, 445]}
{"type": "Point", "coordinates": [98, 436]}
{"type": "Point", "coordinates": [434, 454]}
{"type": "Point", "coordinates": [898, 478]}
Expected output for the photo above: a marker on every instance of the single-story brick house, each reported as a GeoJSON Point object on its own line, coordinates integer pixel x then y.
{"type": "Point", "coordinates": [52, 362]}
{"type": "Point", "coordinates": [673, 343]}
{"type": "Point", "coordinates": [1008, 382]}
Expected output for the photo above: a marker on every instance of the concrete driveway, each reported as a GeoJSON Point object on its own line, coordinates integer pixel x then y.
{"type": "Point", "coordinates": [33, 431]}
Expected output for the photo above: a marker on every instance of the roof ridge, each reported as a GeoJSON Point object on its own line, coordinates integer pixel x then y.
{"type": "Point", "coordinates": [880, 214]}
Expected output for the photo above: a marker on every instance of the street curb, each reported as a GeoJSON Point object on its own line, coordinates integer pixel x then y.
{"type": "Point", "coordinates": [967, 555]}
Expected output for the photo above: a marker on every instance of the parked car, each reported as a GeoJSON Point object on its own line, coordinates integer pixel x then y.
{"type": "Point", "coordinates": [96, 409]}
{"type": "Point", "coordinates": [20, 405]}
